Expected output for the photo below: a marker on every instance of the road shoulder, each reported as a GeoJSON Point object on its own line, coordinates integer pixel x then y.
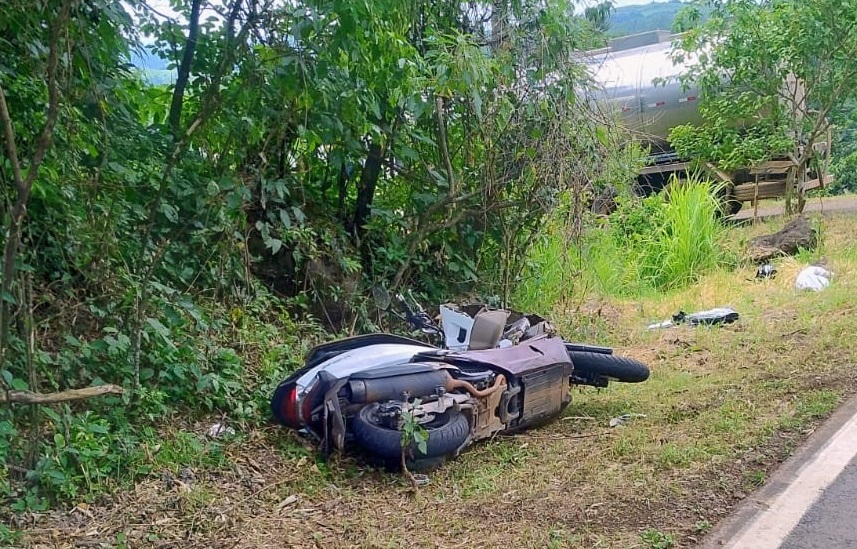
{"type": "Point", "coordinates": [751, 520]}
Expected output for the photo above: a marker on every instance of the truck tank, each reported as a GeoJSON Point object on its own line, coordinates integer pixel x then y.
{"type": "Point", "coordinates": [639, 80]}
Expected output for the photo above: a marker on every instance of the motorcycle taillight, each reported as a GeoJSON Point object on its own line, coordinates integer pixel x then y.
{"type": "Point", "coordinates": [285, 405]}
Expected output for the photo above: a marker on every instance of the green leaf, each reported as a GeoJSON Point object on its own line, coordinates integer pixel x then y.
{"type": "Point", "coordinates": [477, 104]}
{"type": "Point", "coordinates": [284, 218]}
{"type": "Point", "coordinates": [9, 298]}
{"type": "Point", "coordinates": [98, 428]}
{"type": "Point", "coordinates": [20, 385]}
{"type": "Point", "coordinates": [421, 438]}
{"type": "Point", "coordinates": [55, 417]}
{"type": "Point", "coordinates": [7, 430]}
{"type": "Point", "coordinates": [275, 244]}
{"type": "Point", "coordinates": [170, 212]}
{"type": "Point", "coordinates": [159, 328]}
{"type": "Point", "coordinates": [300, 217]}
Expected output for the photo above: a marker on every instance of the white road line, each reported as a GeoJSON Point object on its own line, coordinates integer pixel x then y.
{"type": "Point", "coordinates": [773, 525]}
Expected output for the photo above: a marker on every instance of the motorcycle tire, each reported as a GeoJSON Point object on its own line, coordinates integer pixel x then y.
{"type": "Point", "coordinates": [615, 368]}
{"type": "Point", "coordinates": [446, 433]}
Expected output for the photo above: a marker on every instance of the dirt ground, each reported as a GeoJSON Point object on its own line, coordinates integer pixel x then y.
{"type": "Point", "coordinates": [823, 205]}
{"type": "Point", "coordinates": [712, 429]}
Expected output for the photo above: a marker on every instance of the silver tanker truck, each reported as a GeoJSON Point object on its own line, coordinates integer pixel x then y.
{"type": "Point", "coordinates": [639, 81]}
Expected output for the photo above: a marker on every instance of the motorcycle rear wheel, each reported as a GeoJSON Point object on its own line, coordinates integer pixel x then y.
{"type": "Point", "coordinates": [615, 368]}
{"type": "Point", "coordinates": [446, 433]}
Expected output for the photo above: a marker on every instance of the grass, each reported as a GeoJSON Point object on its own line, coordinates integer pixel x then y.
{"type": "Point", "coordinates": [658, 243]}
{"type": "Point", "coordinates": [723, 408]}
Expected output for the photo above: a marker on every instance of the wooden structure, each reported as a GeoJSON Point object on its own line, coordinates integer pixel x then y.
{"type": "Point", "coordinates": [780, 178]}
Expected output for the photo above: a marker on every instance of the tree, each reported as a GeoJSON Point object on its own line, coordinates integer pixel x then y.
{"type": "Point", "coordinates": [772, 73]}
{"type": "Point", "coordinates": [599, 15]}
{"type": "Point", "coordinates": [318, 146]}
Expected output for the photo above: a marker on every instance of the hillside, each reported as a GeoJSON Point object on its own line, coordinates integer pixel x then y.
{"type": "Point", "coordinates": [633, 19]}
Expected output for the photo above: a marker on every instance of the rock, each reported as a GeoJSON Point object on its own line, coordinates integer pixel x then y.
{"type": "Point", "coordinates": [798, 233]}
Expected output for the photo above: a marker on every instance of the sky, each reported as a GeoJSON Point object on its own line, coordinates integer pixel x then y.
{"type": "Point", "coordinates": [620, 3]}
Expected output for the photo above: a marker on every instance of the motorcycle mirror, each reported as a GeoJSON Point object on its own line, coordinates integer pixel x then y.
{"type": "Point", "coordinates": [381, 297]}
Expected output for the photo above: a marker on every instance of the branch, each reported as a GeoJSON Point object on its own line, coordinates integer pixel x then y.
{"type": "Point", "coordinates": [28, 397]}
{"type": "Point", "coordinates": [444, 145]}
{"type": "Point", "coordinates": [9, 134]}
{"type": "Point", "coordinates": [24, 186]}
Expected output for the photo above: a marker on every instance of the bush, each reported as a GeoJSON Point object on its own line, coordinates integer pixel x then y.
{"type": "Point", "coordinates": [685, 241]}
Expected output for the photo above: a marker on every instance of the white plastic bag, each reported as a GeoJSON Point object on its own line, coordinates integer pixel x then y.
{"type": "Point", "coordinates": [813, 278]}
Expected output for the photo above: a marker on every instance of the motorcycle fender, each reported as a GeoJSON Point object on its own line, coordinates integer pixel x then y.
{"type": "Point", "coordinates": [334, 423]}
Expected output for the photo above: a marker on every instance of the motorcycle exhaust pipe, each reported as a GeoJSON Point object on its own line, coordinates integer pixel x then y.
{"type": "Point", "coordinates": [414, 385]}
{"type": "Point", "coordinates": [392, 388]}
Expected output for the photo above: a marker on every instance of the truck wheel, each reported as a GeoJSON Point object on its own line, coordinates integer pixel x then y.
{"type": "Point", "coordinates": [446, 433]}
{"type": "Point", "coordinates": [615, 368]}
{"type": "Point", "coordinates": [731, 206]}
{"type": "Point", "coordinates": [728, 204]}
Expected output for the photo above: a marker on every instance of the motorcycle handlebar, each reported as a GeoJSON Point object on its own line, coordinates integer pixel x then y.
{"type": "Point", "coordinates": [417, 318]}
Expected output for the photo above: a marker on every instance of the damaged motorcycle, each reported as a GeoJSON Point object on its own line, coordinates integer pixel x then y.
{"type": "Point", "coordinates": [498, 372]}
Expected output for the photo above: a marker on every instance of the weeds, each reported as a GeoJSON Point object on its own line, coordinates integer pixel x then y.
{"type": "Point", "coordinates": [702, 526]}
{"type": "Point", "coordinates": [653, 244]}
{"type": "Point", "coordinates": [201, 363]}
{"type": "Point", "coordinates": [656, 539]}
{"type": "Point", "coordinates": [720, 403]}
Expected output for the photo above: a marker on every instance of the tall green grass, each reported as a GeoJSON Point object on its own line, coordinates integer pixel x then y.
{"type": "Point", "coordinates": [687, 241]}
{"type": "Point", "coordinates": [649, 245]}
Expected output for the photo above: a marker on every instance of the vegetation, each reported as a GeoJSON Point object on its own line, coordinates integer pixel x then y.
{"type": "Point", "coordinates": [844, 166]}
{"type": "Point", "coordinates": [772, 74]}
{"type": "Point", "coordinates": [723, 407]}
{"type": "Point", "coordinates": [172, 248]}
{"type": "Point", "coordinates": [175, 248]}
{"type": "Point", "coordinates": [648, 245]}
{"type": "Point", "coordinates": [735, 149]}
{"type": "Point", "coordinates": [643, 18]}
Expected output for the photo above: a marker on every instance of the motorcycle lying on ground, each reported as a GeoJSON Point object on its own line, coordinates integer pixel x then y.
{"type": "Point", "coordinates": [498, 372]}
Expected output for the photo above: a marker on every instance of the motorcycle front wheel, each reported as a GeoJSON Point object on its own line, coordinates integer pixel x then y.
{"type": "Point", "coordinates": [446, 433]}
{"type": "Point", "coordinates": [615, 368]}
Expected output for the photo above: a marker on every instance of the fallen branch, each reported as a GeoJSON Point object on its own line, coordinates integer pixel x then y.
{"type": "Point", "coordinates": [556, 436]}
{"type": "Point", "coordinates": [28, 397]}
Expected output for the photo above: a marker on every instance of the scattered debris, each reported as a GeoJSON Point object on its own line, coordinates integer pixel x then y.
{"type": "Point", "coordinates": [219, 430]}
{"type": "Point", "coordinates": [813, 278]}
{"type": "Point", "coordinates": [624, 419]}
{"type": "Point", "coordinates": [798, 233]}
{"type": "Point", "coordinates": [420, 479]}
{"type": "Point", "coordinates": [286, 502]}
{"type": "Point", "coordinates": [766, 271]}
{"type": "Point", "coordinates": [720, 315]}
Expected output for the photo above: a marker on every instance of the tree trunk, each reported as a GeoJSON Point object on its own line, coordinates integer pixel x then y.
{"type": "Point", "coordinates": [366, 186]}
{"type": "Point", "coordinates": [184, 69]}
{"type": "Point", "coordinates": [23, 185]}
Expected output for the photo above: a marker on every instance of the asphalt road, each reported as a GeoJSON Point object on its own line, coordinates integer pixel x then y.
{"type": "Point", "coordinates": [831, 523]}
{"type": "Point", "coordinates": [829, 204]}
